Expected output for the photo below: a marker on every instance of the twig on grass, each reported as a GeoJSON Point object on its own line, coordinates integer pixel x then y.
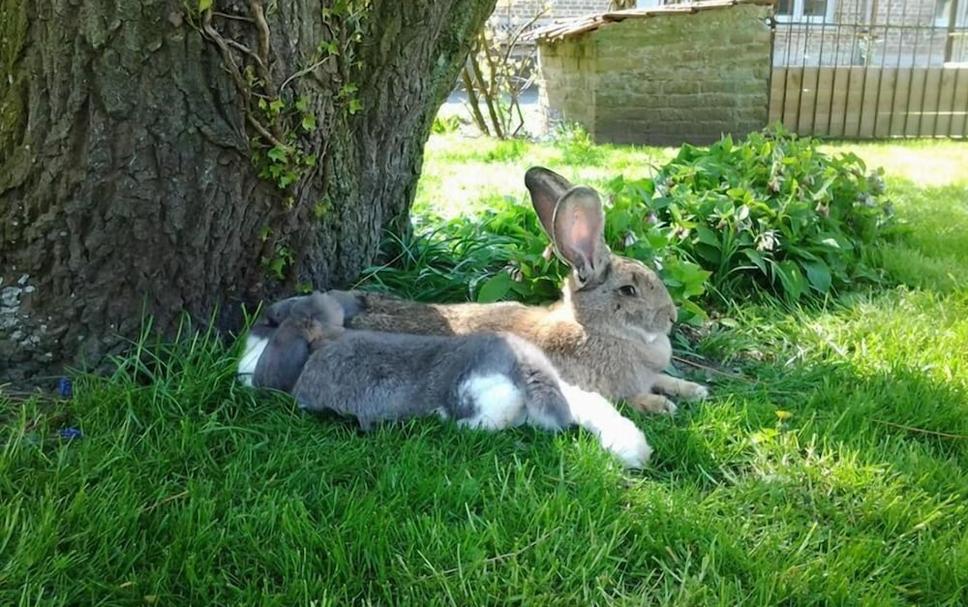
{"type": "Point", "coordinates": [494, 559]}
{"type": "Point", "coordinates": [921, 430]}
{"type": "Point", "coordinates": [698, 365]}
{"type": "Point", "coordinates": [164, 501]}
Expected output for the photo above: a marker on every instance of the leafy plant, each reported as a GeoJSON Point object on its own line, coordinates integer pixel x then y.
{"type": "Point", "coordinates": [576, 145]}
{"type": "Point", "coordinates": [445, 124]}
{"type": "Point", "coordinates": [506, 151]}
{"type": "Point", "coordinates": [769, 212]}
{"type": "Point", "coordinates": [503, 255]}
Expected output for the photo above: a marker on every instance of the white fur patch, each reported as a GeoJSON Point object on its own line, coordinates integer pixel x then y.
{"type": "Point", "coordinates": [254, 346]}
{"type": "Point", "coordinates": [617, 434]}
{"type": "Point", "coordinates": [646, 336]}
{"type": "Point", "coordinates": [697, 392]}
{"type": "Point", "coordinates": [498, 402]}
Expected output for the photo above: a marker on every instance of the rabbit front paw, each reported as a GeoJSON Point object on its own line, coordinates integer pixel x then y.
{"type": "Point", "coordinates": [654, 403]}
{"type": "Point", "coordinates": [694, 391]}
{"type": "Point", "coordinates": [673, 386]}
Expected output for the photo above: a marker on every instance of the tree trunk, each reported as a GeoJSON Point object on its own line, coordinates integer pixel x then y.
{"type": "Point", "coordinates": [132, 140]}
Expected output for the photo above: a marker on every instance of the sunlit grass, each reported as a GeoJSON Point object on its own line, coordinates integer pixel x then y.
{"type": "Point", "coordinates": [830, 466]}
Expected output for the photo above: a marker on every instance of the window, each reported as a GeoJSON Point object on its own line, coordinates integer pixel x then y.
{"type": "Point", "coordinates": [814, 11]}
{"type": "Point", "coordinates": [942, 13]}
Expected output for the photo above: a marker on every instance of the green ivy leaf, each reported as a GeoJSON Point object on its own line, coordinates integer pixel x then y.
{"type": "Point", "coordinates": [277, 154]}
{"type": "Point", "coordinates": [204, 5]}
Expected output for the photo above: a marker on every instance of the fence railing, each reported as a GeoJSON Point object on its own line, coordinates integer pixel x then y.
{"type": "Point", "coordinates": [873, 69]}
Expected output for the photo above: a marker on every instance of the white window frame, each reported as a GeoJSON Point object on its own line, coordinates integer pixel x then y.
{"type": "Point", "coordinates": [961, 19]}
{"type": "Point", "coordinates": [799, 17]}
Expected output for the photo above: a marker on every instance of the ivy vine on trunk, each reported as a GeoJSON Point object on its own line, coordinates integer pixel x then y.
{"type": "Point", "coordinates": [161, 158]}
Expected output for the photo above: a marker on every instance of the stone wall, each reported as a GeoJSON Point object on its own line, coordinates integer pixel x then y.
{"type": "Point", "coordinates": [568, 74]}
{"type": "Point", "coordinates": [665, 79]}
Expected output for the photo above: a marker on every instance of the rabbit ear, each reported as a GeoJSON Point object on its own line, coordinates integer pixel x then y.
{"type": "Point", "coordinates": [278, 312]}
{"type": "Point", "coordinates": [327, 309]}
{"type": "Point", "coordinates": [546, 188]}
{"type": "Point", "coordinates": [579, 232]}
{"type": "Point", "coordinates": [282, 360]}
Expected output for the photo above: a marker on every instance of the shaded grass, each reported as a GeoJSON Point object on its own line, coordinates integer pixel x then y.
{"type": "Point", "coordinates": [830, 472]}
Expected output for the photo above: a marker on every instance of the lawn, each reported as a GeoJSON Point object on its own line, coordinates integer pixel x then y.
{"type": "Point", "coordinates": [829, 467]}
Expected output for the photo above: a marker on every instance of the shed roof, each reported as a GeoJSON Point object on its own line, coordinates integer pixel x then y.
{"type": "Point", "coordinates": [589, 23]}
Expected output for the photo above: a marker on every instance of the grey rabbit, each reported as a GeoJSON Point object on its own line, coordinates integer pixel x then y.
{"type": "Point", "coordinates": [487, 380]}
{"type": "Point", "coordinates": [278, 345]}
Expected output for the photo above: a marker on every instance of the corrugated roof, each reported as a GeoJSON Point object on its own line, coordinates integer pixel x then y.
{"type": "Point", "coordinates": [588, 23]}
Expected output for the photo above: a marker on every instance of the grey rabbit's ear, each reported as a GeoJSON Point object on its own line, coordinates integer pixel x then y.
{"type": "Point", "coordinates": [278, 312]}
{"type": "Point", "coordinates": [579, 229]}
{"type": "Point", "coordinates": [351, 303]}
{"type": "Point", "coordinates": [328, 310]}
{"type": "Point", "coordinates": [282, 360]}
{"type": "Point", "coordinates": [546, 188]}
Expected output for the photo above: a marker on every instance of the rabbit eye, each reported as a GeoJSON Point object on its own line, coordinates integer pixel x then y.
{"type": "Point", "coordinates": [629, 290]}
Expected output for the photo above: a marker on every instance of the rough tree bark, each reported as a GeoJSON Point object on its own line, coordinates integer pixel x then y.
{"type": "Point", "coordinates": [128, 182]}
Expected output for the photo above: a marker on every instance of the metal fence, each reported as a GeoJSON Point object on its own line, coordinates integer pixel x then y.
{"type": "Point", "coordinates": [871, 68]}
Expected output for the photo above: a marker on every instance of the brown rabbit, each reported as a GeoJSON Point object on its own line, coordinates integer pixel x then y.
{"type": "Point", "coordinates": [608, 333]}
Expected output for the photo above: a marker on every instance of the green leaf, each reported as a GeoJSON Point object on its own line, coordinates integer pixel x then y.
{"type": "Point", "coordinates": [709, 253]}
{"type": "Point", "coordinates": [792, 279]}
{"type": "Point", "coordinates": [308, 122]}
{"type": "Point", "coordinates": [707, 236]}
{"type": "Point", "coordinates": [756, 258]}
{"type": "Point", "coordinates": [495, 288]}
{"type": "Point", "coordinates": [277, 154]}
{"type": "Point", "coordinates": [818, 274]}
{"type": "Point", "coordinates": [691, 313]}
{"type": "Point", "coordinates": [620, 220]}
{"type": "Point", "coordinates": [204, 5]}
{"type": "Point", "coordinates": [355, 106]}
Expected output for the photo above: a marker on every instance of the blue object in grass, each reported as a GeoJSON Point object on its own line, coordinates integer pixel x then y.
{"type": "Point", "coordinates": [70, 433]}
{"type": "Point", "coordinates": [65, 388]}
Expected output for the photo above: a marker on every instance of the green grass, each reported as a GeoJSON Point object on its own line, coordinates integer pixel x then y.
{"type": "Point", "coordinates": [830, 467]}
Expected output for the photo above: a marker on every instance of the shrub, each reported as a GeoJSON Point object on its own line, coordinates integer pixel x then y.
{"type": "Point", "coordinates": [443, 125]}
{"type": "Point", "coordinates": [576, 145]}
{"type": "Point", "coordinates": [502, 254]}
{"type": "Point", "coordinates": [770, 214]}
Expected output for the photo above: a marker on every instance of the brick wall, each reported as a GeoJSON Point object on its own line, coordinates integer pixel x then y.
{"type": "Point", "coordinates": [663, 80]}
